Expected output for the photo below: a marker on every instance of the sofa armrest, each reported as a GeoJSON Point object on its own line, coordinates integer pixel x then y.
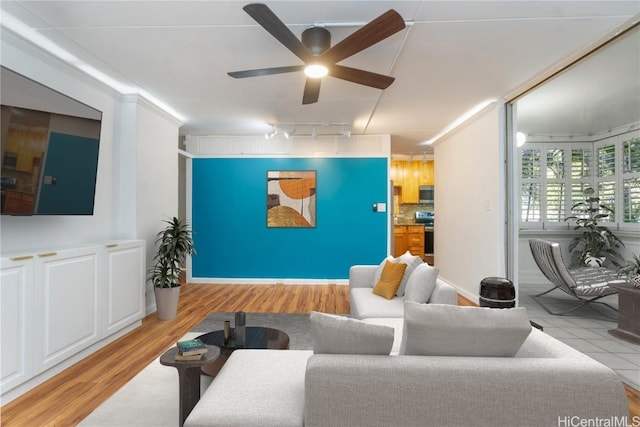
{"type": "Point", "coordinates": [443, 293]}
{"type": "Point", "coordinates": [361, 276]}
{"type": "Point", "coordinates": [420, 391]}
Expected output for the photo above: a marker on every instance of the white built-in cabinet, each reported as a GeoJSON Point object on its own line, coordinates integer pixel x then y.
{"type": "Point", "coordinates": [57, 304]}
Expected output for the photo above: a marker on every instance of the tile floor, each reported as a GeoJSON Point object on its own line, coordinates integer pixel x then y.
{"type": "Point", "coordinates": [585, 330]}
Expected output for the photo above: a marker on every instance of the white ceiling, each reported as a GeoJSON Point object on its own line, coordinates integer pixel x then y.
{"type": "Point", "coordinates": [452, 56]}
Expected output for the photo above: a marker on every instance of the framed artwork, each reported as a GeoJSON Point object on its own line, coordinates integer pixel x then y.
{"type": "Point", "coordinates": [291, 199]}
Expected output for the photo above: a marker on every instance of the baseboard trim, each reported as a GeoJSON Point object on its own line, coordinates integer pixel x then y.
{"type": "Point", "coordinates": [253, 281]}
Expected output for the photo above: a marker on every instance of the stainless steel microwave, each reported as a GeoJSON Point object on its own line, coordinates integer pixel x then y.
{"type": "Point", "coordinates": [427, 193]}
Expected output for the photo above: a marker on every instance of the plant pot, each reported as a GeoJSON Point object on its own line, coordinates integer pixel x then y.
{"type": "Point", "coordinates": [167, 302]}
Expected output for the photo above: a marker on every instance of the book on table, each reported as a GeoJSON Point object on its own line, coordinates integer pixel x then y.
{"type": "Point", "coordinates": [191, 347]}
{"type": "Point", "coordinates": [179, 357]}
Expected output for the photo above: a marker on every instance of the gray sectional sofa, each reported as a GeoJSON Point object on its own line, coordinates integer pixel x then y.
{"type": "Point", "coordinates": [365, 304]}
{"type": "Point", "coordinates": [527, 378]}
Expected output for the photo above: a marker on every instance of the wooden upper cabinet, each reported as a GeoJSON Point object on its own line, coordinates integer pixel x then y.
{"type": "Point", "coordinates": [409, 176]}
{"type": "Point", "coordinates": [426, 173]}
{"type": "Point", "coordinates": [397, 172]}
{"type": "Point", "coordinates": [411, 182]}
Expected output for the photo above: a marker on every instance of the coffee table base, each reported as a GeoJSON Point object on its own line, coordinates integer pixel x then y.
{"type": "Point", "coordinates": [628, 313]}
{"type": "Point", "coordinates": [189, 378]}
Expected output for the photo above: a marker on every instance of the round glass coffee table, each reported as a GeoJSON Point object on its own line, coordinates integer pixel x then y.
{"type": "Point", "coordinates": [256, 337]}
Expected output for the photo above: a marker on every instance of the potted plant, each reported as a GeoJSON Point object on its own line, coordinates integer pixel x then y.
{"type": "Point", "coordinates": [173, 244]}
{"type": "Point", "coordinates": [597, 244]}
{"type": "Point", "coordinates": [631, 270]}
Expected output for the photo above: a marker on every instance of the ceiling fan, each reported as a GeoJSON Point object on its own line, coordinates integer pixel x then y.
{"type": "Point", "coordinates": [319, 57]}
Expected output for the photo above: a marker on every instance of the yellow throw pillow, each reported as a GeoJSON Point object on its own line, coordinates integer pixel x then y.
{"type": "Point", "coordinates": [390, 279]}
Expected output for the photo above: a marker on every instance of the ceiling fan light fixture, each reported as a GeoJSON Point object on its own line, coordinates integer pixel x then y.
{"type": "Point", "coordinates": [316, 71]}
{"type": "Point", "coordinates": [521, 138]}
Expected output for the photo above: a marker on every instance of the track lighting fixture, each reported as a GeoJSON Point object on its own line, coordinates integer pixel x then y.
{"type": "Point", "coordinates": [312, 129]}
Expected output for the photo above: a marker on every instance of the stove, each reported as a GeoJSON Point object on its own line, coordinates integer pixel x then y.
{"type": "Point", "coordinates": [425, 217]}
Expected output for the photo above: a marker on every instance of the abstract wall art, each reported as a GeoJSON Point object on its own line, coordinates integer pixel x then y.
{"type": "Point", "coordinates": [291, 199]}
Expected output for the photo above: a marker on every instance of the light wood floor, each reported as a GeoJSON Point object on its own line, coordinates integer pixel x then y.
{"type": "Point", "coordinates": [69, 397]}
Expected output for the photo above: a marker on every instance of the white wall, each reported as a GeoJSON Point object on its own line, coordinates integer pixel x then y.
{"type": "Point", "coordinates": [137, 183]}
{"type": "Point", "coordinates": [470, 203]}
{"type": "Point", "coordinates": [157, 180]}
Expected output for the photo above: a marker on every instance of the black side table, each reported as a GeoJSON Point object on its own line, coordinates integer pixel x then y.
{"type": "Point", "coordinates": [189, 377]}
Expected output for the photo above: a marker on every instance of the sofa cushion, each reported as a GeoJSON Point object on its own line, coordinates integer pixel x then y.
{"type": "Point", "coordinates": [449, 330]}
{"type": "Point", "coordinates": [393, 322]}
{"type": "Point", "coordinates": [342, 335]}
{"type": "Point", "coordinates": [253, 387]}
{"type": "Point", "coordinates": [412, 262]}
{"type": "Point", "coordinates": [389, 282]}
{"type": "Point", "coordinates": [378, 273]}
{"type": "Point", "coordinates": [421, 283]}
{"type": "Point", "coordinates": [365, 303]}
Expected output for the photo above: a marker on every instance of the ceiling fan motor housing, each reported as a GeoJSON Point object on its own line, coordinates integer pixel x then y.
{"type": "Point", "coordinates": [316, 39]}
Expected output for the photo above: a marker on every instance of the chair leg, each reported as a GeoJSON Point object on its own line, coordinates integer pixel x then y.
{"type": "Point", "coordinates": [544, 293]}
{"type": "Point", "coordinates": [581, 303]}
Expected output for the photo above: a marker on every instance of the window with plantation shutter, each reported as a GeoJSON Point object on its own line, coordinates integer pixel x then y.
{"type": "Point", "coordinates": [530, 167]}
{"type": "Point", "coordinates": [631, 180]}
{"type": "Point", "coordinates": [607, 193]}
{"type": "Point", "coordinates": [555, 163]}
{"type": "Point", "coordinates": [530, 208]}
{"type": "Point", "coordinates": [631, 156]}
{"type": "Point", "coordinates": [554, 175]}
{"type": "Point", "coordinates": [580, 163]}
{"type": "Point", "coordinates": [631, 200]}
{"type": "Point", "coordinates": [606, 161]}
{"type": "Point", "coordinates": [555, 202]}
{"type": "Point", "coordinates": [530, 164]}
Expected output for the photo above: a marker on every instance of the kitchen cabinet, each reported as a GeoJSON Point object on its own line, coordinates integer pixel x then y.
{"type": "Point", "coordinates": [125, 270]}
{"type": "Point", "coordinates": [400, 244]}
{"type": "Point", "coordinates": [29, 145]}
{"type": "Point", "coordinates": [415, 240]}
{"type": "Point", "coordinates": [408, 238]}
{"type": "Point", "coordinates": [66, 287]}
{"type": "Point", "coordinates": [409, 176]}
{"type": "Point", "coordinates": [18, 203]}
{"type": "Point", "coordinates": [16, 314]}
{"type": "Point", "coordinates": [61, 305]}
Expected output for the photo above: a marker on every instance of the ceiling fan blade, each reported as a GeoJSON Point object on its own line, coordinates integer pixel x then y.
{"type": "Point", "coordinates": [265, 71]}
{"type": "Point", "coordinates": [270, 22]}
{"type": "Point", "coordinates": [311, 91]}
{"type": "Point", "coordinates": [362, 77]}
{"type": "Point", "coordinates": [377, 30]}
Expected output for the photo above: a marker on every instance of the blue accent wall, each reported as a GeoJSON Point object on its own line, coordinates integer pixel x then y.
{"type": "Point", "coordinates": [229, 219]}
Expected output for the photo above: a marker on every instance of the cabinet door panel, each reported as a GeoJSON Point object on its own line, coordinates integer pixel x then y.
{"type": "Point", "coordinates": [69, 292]}
{"type": "Point", "coordinates": [125, 284]}
{"type": "Point", "coordinates": [400, 244]}
{"type": "Point", "coordinates": [16, 294]}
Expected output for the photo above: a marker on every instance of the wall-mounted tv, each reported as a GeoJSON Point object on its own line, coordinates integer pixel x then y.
{"type": "Point", "coordinates": [50, 145]}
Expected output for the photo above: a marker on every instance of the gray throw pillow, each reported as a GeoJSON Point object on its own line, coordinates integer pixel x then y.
{"type": "Point", "coordinates": [342, 335]}
{"type": "Point", "coordinates": [421, 283]}
{"type": "Point", "coordinates": [378, 273]}
{"type": "Point", "coordinates": [412, 262]}
{"type": "Point", "coordinates": [450, 330]}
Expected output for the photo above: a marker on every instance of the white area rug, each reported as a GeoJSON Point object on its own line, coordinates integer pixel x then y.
{"type": "Point", "coordinates": [149, 399]}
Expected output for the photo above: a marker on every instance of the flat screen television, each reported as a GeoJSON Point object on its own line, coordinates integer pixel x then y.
{"type": "Point", "coordinates": [50, 146]}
